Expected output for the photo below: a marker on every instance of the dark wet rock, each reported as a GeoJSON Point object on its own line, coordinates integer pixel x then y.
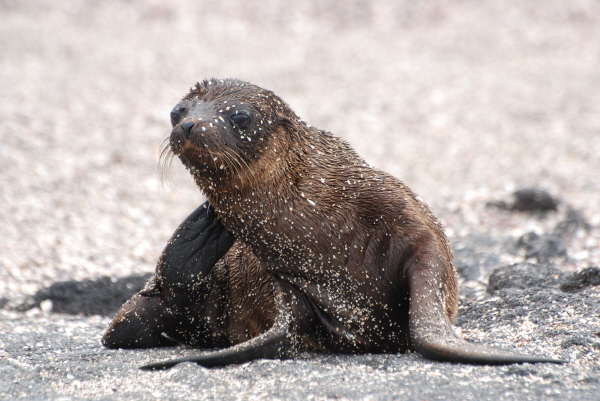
{"type": "Point", "coordinates": [103, 296]}
{"type": "Point", "coordinates": [543, 248]}
{"type": "Point", "coordinates": [531, 200]}
{"type": "Point", "coordinates": [573, 222]}
{"type": "Point", "coordinates": [590, 379]}
{"type": "Point", "coordinates": [468, 264]}
{"type": "Point", "coordinates": [534, 200]}
{"type": "Point", "coordinates": [476, 255]}
{"type": "Point", "coordinates": [586, 344]}
{"type": "Point", "coordinates": [524, 275]}
{"type": "Point", "coordinates": [581, 279]}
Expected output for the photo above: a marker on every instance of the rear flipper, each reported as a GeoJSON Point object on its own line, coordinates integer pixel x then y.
{"type": "Point", "coordinates": [162, 307]}
{"type": "Point", "coordinates": [194, 248]}
{"type": "Point", "coordinates": [431, 330]}
{"type": "Point", "coordinates": [139, 324]}
{"type": "Point", "coordinates": [439, 346]}
{"type": "Point", "coordinates": [279, 342]}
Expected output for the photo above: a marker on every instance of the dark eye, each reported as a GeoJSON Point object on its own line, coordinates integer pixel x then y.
{"type": "Point", "coordinates": [177, 114]}
{"type": "Point", "coordinates": [241, 121]}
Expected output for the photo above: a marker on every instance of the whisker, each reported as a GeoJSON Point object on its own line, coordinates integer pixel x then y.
{"type": "Point", "coordinates": [165, 163]}
{"type": "Point", "coordinates": [235, 165]}
{"type": "Point", "coordinates": [240, 165]}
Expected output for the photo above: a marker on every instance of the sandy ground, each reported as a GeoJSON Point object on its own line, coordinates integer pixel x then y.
{"type": "Point", "coordinates": [464, 101]}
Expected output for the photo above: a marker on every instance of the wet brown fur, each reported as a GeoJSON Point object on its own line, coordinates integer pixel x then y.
{"type": "Point", "coordinates": [251, 308]}
{"type": "Point", "coordinates": [298, 197]}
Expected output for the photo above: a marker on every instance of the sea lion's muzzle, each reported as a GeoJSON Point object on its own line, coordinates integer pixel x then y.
{"type": "Point", "coordinates": [186, 134]}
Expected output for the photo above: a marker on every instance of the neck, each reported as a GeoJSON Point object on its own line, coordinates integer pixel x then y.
{"type": "Point", "coordinates": [255, 196]}
{"type": "Point", "coordinates": [277, 212]}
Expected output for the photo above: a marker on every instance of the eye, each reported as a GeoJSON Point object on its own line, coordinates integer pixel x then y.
{"type": "Point", "coordinates": [177, 114]}
{"type": "Point", "coordinates": [240, 120]}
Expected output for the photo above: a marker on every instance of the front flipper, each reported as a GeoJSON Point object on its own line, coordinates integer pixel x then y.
{"type": "Point", "coordinates": [431, 331]}
{"type": "Point", "coordinates": [280, 341]}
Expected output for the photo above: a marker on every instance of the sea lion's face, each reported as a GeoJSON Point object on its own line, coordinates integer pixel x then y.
{"type": "Point", "coordinates": [222, 128]}
{"type": "Point", "coordinates": [206, 133]}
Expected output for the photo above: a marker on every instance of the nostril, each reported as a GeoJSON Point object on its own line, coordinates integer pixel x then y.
{"type": "Point", "coordinates": [187, 127]}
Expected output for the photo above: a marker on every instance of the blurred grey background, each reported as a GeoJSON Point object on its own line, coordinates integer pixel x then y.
{"type": "Point", "coordinates": [464, 100]}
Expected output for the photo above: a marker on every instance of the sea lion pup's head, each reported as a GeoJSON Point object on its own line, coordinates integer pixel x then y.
{"type": "Point", "coordinates": [231, 133]}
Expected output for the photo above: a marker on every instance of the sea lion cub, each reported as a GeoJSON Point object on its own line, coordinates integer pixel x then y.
{"type": "Point", "coordinates": [357, 262]}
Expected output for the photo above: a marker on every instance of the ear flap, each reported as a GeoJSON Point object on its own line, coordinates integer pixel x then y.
{"type": "Point", "coordinates": [286, 122]}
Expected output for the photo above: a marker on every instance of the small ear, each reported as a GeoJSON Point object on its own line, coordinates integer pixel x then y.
{"type": "Point", "coordinates": [139, 324]}
{"type": "Point", "coordinates": [286, 122]}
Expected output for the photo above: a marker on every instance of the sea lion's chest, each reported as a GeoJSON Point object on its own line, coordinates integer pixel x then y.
{"type": "Point", "coordinates": [295, 234]}
{"type": "Point", "coordinates": [337, 259]}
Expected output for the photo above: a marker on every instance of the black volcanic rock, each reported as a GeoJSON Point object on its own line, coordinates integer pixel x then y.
{"type": "Point", "coordinates": [524, 275]}
{"type": "Point", "coordinates": [542, 247]}
{"type": "Point", "coordinates": [534, 200]}
{"type": "Point", "coordinates": [574, 221]}
{"type": "Point", "coordinates": [581, 279]}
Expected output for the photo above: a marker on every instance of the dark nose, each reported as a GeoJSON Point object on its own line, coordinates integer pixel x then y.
{"type": "Point", "coordinates": [187, 127]}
